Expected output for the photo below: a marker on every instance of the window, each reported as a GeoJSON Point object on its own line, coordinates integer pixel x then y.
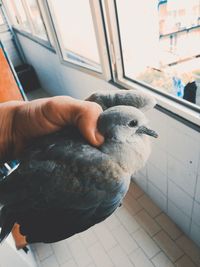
{"type": "Point", "coordinates": [160, 46]}
{"type": "Point", "coordinates": [75, 31]}
{"type": "Point", "coordinates": [26, 16]}
{"type": "Point", "coordinates": [1, 19]}
{"type": "Point", "coordinates": [39, 28]}
{"type": "Point", "coordinates": [20, 15]}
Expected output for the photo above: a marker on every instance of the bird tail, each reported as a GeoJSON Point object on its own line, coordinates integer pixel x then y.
{"type": "Point", "coordinates": [7, 222]}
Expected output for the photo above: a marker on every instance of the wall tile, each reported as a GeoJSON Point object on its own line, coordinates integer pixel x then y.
{"type": "Point", "coordinates": [158, 158]}
{"type": "Point", "coordinates": [197, 196]}
{"type": "Point", "coordinates": [196, 213]}
{"type": "Point", "coordinates": [180, 218]}
{"type": "Point", "coordinates": [158, 122]}
{"type": "Point", "coordinates": [183, 176]}
{"type": "Point", "coordinates": [183, 148]}
{"type": "Point", "coordinates": [157, 196]}
{"type": "Point", "coordinates": [195, 233]}
{"type": "Point", "coordinates": [182, 200]}
{"type": "Point", "coordinates": [157, 177]}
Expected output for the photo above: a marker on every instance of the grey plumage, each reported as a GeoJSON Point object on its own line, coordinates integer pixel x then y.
{"type": "Point", "coordinates": [64, 185]}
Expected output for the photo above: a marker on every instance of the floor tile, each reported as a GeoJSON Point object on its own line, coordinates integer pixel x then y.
{"type": "Point", "coordinates": [61, 252]}
{"type": "Point", "coordinates": [99, 256]}
{"type": "Point", "coordinates": [70, 263]}
{"type": "Point", "coordinates": [126, 242]}
{"type": "Point", "coordinates": [105, 236]}
{"type": "Point", "coordinates": [119, 258]}
{"type": "Point", "coordinates": [80, 253]}
{"type": "Point", "coordinates": [146, 243]}
{"type": "Point", "coordinates": [135, 190]}
{"type": "Point", "coordinates": [50, 262]}
{"type": "Point", "coordinates": [190, 248]}
{"type": "Point", "coordinates": [127, 220]}
{"type": "Point", "coordinates": [88, 237]}
{"type": "Point", "coordinates": [43, 250]}
{"type": "Point", "coordinates": [147, 222]}
{"type": "Point", "coordinates": [185, 262]}
{"type": "Point", "coordinates": [131, 204]}
{"type": "Point", "coordinates": [161, 260]}
{"type": "Point", "coordinates": [170, 227]}
{"type": "Point", "coordinates": [112, 221]}
{"type": "Point", "coordinates": [168, 246]}
{"type": "Point", "coordinates": [139, 259]}
{"type": "Point", "coordinates": [149, 206]}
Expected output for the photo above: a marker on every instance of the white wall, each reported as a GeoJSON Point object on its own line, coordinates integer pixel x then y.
{"type": "Point", "coordinates": [172, 174]}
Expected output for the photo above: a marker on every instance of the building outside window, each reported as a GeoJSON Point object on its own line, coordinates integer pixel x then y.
{"type": "Point", "coordinates": [160, 45]}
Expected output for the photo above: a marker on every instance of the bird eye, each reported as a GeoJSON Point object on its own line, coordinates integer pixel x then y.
{"type": "Point", "coordinates": [133, 123]}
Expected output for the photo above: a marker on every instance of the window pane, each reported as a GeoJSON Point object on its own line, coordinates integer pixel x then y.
{"type": "Point", "coordinates": [12, 12]}
{"type": "Point", "coordinates": [1, 19]}
{"type": "Point", "coordinates": [160, 42]}
{"type": "Point", "coordinates": [36, 19]}
{"type": "Point", "coordinates": [76, 31]}
{"type": "Point", "coordinates": [21, 15]}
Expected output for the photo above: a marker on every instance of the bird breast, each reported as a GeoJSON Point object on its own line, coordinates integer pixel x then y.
{"type": "Point", "coordinates": [131, 156]}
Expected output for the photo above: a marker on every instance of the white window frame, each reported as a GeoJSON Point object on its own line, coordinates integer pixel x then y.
{"type": "Point", "coordinates": [32, 34]}
{"type": "Point", "coordinates": [185, 109]}
{"type": "Point", "coordinates": [95, 6]}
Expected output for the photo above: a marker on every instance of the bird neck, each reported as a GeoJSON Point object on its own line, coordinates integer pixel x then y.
{"type": "Point", "coordinates": [131, 156]}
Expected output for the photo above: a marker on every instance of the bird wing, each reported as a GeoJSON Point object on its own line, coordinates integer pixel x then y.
{"type": "Point", "coordinates": [61, 190]}
{"type": "Point", "coordinates": [133, 98]}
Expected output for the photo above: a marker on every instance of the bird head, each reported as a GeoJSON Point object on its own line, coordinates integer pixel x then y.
{"type": "Point", "coordinates": [124, 123]}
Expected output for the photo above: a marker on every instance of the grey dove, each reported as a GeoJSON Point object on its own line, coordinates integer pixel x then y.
{"type": "Point", "coordinates": [64, 185]}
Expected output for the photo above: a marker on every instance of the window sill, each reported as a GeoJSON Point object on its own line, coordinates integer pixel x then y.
{"type": "Point", "coordinates": [178, 111]}
{"type": "Point", "coordinates": [36, 39]}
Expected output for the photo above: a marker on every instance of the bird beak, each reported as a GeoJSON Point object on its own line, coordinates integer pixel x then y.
{"type": "Point", "coordinates": [145, 130]}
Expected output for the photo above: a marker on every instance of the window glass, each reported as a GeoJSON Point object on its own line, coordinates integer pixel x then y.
{"type": "Point", "coordinates": [160, 41]}
{"type": "Point", "coordinates": [76, 32]}
{"type": "Point", "coordinates": [36, 19]}
{"type": "Point", "coordinates": [1, 18]}
{"type": "Point", "coordinates": [20, 14]}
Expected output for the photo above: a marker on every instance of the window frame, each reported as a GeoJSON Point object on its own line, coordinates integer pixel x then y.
{"type": "Point", "coordinates": [185, 109]}
{"type": "Point", "coordinates": [32, 33]}
{"type": "Point", "coordinates": [100, 34]}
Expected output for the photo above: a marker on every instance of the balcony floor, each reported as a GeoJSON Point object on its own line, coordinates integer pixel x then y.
{"type": "Point", "coordinates": [138, 234]}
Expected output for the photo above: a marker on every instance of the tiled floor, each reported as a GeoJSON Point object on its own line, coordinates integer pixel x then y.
{"type": "Point", "coordinates": [138, 234]}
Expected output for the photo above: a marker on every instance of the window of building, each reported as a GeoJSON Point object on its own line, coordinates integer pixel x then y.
{"type": "Point", "coordinates": [160, 46]}
{"type": "Point", "coordinates": [75, 31]}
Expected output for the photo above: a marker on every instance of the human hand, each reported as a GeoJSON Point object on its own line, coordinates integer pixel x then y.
{"type": "Point", "coordinates": [22, 121]}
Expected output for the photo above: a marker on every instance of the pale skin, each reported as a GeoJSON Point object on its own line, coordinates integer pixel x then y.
{"type": "Point", "coordinates": [21, 122]}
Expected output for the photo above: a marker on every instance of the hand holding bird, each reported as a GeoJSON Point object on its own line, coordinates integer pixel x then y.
{"type": "Point", "coordinates": [63, 184]}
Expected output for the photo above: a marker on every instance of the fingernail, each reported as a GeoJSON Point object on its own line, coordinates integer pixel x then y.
{"type": "Point", "coordinates": [99, 137]}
